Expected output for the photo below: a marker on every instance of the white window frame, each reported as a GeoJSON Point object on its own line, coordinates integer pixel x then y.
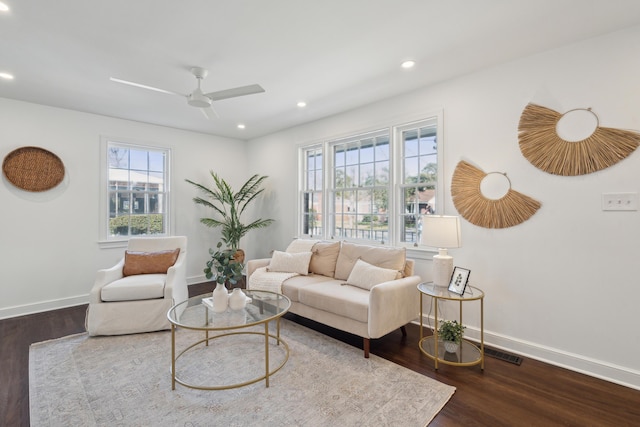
{"type": "Point", "coordinates": [105, 238]}
{"type": "Point", "coordinates": [396, 171]}
{"type": "Point", "coordinates": [399, 186]}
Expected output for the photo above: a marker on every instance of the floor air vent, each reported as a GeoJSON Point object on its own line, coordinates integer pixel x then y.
{"type": "Point", "coordinates": [507, 357]}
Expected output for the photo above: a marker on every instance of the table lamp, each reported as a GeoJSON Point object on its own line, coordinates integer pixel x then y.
{"type": "Point", "coordinates": [442, 232]}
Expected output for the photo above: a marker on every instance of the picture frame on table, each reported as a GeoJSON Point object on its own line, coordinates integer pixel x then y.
{"type": "Point", "coordinates": [459, 280]}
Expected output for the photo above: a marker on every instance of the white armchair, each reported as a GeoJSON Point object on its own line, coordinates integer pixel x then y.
{"type": "Point", "coordinates": [120, 304]}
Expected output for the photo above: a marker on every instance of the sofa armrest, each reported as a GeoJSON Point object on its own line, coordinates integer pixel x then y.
{"type": "Point", "coordinates": [393, 304]}
{"type": "Point", "coordinates": [176, 284]}
{"type": "Point", "coordinates": [103, 278]}
{"type": "Point", "coordinates": [254, 264]}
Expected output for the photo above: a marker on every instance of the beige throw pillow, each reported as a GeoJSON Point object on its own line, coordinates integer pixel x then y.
{"type": "Point", "coordinates": [301, 245]}
{"type": "Point", "coordinates": [284, 262]}
{"type": "Point", "coordinates": [149, 262]}
{"type": "Point", "coordinates": [324, 257]}
{"type": "Point", "coordinates": [380, 256]}
{"type": "Point", "coordinates": [366, 276]}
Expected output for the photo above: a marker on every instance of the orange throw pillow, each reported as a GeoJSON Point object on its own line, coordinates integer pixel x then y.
{"type": "Point", "coordinates": [149, 262]}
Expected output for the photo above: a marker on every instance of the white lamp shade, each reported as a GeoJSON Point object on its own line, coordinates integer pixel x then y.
{"type": "Point", "coordinates": [441, 231]}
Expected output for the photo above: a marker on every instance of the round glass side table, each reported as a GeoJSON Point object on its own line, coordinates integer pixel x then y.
{"type": "Point", "coordinates": [468, 353]}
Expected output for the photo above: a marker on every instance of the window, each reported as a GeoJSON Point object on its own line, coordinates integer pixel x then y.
{"type": "Point", "coordinates": [137, 190]}
{"type": "Point", "coordinates": [376, 187]}
{"type": "Point", "coordinates": [312, 192]}
{"type": "Point", "coordinates": [419, 177]}
{"type": "Point", "coordinates": [360, 187]}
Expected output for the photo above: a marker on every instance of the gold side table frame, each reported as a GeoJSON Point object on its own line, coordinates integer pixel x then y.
{"type": "Point", "coordinates": [469, 353]}
{"type": "Point", "coordinates": [188, 315]}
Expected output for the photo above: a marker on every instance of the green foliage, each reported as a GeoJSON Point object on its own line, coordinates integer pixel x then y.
{"type": "Point", "coordinates": [140, 224]}
{"type": "Point", "coordinates": [224, 266]}
{"type": "Point", "coordinates": [229, 206]}
{"type": "Point", "coordinates": [451, 330]}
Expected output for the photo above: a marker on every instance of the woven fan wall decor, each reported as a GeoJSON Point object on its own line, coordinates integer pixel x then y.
{"type": "Point", "coordinates": [512, 209]}
{"type": "Point", "coordinates": [33, 169]}
{"type": "Point", "coordinates": [541, 145]}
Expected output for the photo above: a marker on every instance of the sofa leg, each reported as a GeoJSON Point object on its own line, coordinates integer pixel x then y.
{"type": "Point", "coordinates": [366, 342]}
{"type": "Point", "coordinates": [404, 331]}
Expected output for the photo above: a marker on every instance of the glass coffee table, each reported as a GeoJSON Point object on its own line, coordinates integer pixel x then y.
{"type": "Point", "coordinates": [194, 314]}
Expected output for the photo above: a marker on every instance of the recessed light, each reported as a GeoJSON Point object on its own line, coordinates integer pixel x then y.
{"type": "Point", "coordinates": [302, 104]}
{"type": "Point", "coordinates": [241, 126]}
{"type": "Point", "coordinates": [408, 64]}
{"type": "Point", "coordinates": [3, 7]}
{"type": "Point", "coordinates": [6, 76]}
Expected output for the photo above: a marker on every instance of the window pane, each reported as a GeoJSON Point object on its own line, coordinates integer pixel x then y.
{"type": "Point", "coordinates": [352, 178]}
{"type": "Point", "coordinates": [351, 154]}
{"type": "Point", "coordinates": [138, 160]}
{"type": "Point", "coordinates": [366, 175]}
{"type": "Point", "coordinates": [156, 161]}
{"type": "Point", "coordinates": [382, 173]}
{"type": "Point", "coordinates": [118, 157]}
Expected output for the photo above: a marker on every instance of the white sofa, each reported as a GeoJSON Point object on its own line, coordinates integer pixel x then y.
{"type": "Point", "coordinates": [368, 291]}
{"type": "Point", "coordinates": [139, 302]}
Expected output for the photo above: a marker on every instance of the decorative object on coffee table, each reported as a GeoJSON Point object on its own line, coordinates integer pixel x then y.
{"type": "Point", "coordinates": [220, 298]}
{"type": "Point", "coordinates": [223, 266]}
{"type": "Point", "coordinates": [237, 299]}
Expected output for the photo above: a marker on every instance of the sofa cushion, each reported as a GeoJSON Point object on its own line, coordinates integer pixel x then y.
{"type": "Point", "coordinates": [291, 287]}
{"type": "Point", "coordinates": [301, 245]}
{"type": "Point", "coordinates": [136, 287]}
{"type": "Point", "coordinates": [385, 257]}
{"type": "Point", "coordinates": [324, 256]}
{"type": "Point", "coordinates": [334, 297]}
{"type": "Point", "coordinates": [149, 262]}
{"type": "Point", "coordinates": [366, 276]}
{"type": "Point", "coordinates": [284, 262]}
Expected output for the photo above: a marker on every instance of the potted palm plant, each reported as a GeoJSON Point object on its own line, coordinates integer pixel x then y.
{"type": "Point", "coordinates": [451, 333]}
{"type": "Point", "coordinates": [229, 206]}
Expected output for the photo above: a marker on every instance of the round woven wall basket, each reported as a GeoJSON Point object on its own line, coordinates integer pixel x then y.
{"type": "Point", "coordinates": [33, 169]}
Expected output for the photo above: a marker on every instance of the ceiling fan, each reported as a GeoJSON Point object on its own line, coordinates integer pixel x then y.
{"type": "Point", "coordinates": [199, 99]}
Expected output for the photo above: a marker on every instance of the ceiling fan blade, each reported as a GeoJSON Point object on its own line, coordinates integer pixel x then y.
{"type": "Point", "coordinates": [126, 82]}
{"type": "Point", "coordinates": [210, 113]}
{"type": "Point", "coordinates": [232, 93]}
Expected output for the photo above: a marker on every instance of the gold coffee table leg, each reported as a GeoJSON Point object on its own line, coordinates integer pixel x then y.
{"type": "Point", "coordinates": [173, 356]}
{"type": "Point", "coordinates": [266, 353]}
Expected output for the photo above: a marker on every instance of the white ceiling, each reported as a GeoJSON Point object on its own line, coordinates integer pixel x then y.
{"type": "Point", "coordinates": [334, 54]}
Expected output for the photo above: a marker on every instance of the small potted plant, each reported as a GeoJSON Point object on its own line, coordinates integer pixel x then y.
{"type": "Point", "coordinates": [451, 333]}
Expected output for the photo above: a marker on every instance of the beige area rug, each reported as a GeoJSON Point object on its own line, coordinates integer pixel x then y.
{"type": "Point", "coordinates": [125, 381]}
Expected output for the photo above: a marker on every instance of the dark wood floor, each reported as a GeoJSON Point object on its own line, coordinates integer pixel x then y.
{"type": "Point", "coordinates": [532, 394]}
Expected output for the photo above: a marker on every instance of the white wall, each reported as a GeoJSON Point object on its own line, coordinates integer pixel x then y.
{"type": "Point", "coordinates": [563, 286]}
{"type": "Point", "coordinates": [49, 248]}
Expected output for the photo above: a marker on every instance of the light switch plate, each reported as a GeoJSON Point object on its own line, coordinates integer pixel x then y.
{"type": "Point", "coordinates": [620, 201]}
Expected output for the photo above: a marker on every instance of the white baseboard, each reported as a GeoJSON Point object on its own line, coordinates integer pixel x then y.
{"type": "Point", "coordinates": [575, 362]}
{"type": "Point", "coordinates": [41, 306]}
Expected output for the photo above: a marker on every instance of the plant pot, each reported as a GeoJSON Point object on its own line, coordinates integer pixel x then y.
{"type": "Point", "coordinates": [451, 347]}
{"type": "Point", "coordinates": [239, 256]}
